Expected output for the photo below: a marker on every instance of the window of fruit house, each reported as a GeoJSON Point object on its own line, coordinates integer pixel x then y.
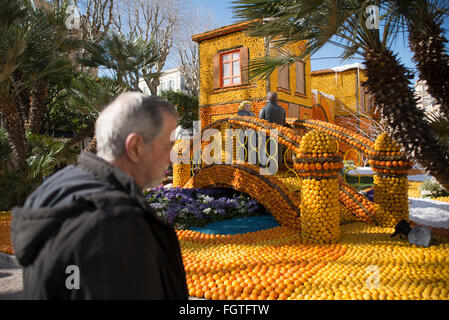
{"type": "Point", "coordinates": [229, 68]}
{"type": "Point", "coordinates": [300, 77]}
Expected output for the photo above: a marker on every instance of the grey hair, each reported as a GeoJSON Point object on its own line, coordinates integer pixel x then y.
{"type": "Point", "coordinates": [272, 96]}
{"type": "Point", "coordinates": [131, 112]}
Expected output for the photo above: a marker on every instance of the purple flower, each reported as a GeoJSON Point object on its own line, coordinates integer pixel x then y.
{"type": "Point", "coordinates": [171, 215]}
{"type": "Point", "coordinates": [220, 203]}
{"type": "Point", "coordinates": [232, 203]}
{"type": "Point", "coordinates": [157, 205]}
{"type": "Point", "coordinates": [184, 206]}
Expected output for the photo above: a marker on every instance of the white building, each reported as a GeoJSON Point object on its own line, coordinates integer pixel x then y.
{"type": "Point", "coordinates": [171, 79]}
{"type": "Point", "coordinates": [425, 100]}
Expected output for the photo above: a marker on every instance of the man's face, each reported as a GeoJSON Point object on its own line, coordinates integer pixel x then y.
{"type": "Point", "coordinates": [155, 160]}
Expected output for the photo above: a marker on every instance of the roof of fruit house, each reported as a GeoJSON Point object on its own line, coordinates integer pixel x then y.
{"type": "Point", "coordinates": [339, 69]}
{"type": "Point", "coordinates": [238, 26]}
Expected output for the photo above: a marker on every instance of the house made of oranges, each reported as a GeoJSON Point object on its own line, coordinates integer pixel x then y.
{"type": "Point", "coordinates": [224, 54]}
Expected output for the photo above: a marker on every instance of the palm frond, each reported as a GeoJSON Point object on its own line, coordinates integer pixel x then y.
{"type": "Point", "coordinates": [90, 96]}
{"type": "Point", "coordinates": [126, 56]}
{"type": "Point", "coordinates": [440, 126]}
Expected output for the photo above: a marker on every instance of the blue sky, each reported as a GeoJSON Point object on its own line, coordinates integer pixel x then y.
{"type": "Point", "coordinates": [222, 15]}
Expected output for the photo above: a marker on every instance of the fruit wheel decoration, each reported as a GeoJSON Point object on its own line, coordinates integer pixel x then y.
{"type": "Point", "coordinates": [390, 182]}
{"type": "Point", "coordinates": [319, 165]}
{"type": "Point", "coordinates": [290, 176]}
{"type": "Point", "coordinates": [353, 167]}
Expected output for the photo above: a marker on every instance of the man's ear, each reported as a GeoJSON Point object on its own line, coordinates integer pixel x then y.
{"type": "Point", "coordinates": [135, 147]}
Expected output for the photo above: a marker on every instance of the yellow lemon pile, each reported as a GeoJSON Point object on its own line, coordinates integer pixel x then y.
{"type": "Point", "coordinates": [390, 200]}
{"type": "Point", "coordinates": [377, 267]}
{"type": "Point", "coordinates": [317, 141]}
{"type": "Point", "coordinates": [320, 206]}
{"type": "Point", "coordinates": [385, 144]}
{"type": "Point", "coordinates": [275, 263]}
{"type": "Point", "coordinates": [320, 210]}
{"type": "Point", "coordinates": [390, 184]}
{"type": "Point", "coordinates": [181, 174]}
{"type": "Point", "coordinates": [181, 171]}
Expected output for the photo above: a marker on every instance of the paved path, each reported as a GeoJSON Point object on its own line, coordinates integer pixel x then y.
{"type": "Point", "coordinates": [10, 278]}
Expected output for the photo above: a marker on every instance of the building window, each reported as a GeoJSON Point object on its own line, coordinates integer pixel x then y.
{"type": "Point", "coordinates": [300, 77]}
{"type": "Point", "coordinates": [283, 78]}
{"type": "Point", "coordinates": [230, 69]}
{"type": "Point", "coordinates": [362, 99]}
{"type": "Point", "coordinates": [171, 85]}
{"type": "Point", "coordinates": [183, 84]}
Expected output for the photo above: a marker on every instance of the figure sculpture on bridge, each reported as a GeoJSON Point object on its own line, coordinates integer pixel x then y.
{"type": "Point", "coordinates": [272, 112]}
{"type": "Point", "coordinates": [245, 109]}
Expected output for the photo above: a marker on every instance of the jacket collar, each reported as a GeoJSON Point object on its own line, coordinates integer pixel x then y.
{"type": "Point", "coordinates": [111, 175]}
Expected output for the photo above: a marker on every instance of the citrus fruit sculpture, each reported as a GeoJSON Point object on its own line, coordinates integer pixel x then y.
{"type": "Point", "coordinates": [181, 170]}
{"type": "Point", "coordinates": [390, 182]}
{"type": "Point", "coordinates": [320, 214]}
{"type": "Point", "coordinates": [336, 244]}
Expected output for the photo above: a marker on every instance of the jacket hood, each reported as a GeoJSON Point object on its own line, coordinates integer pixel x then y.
{"type": "Point", "coordinates": [68, 194]}
{"type": "Point", "coordinates": [30, 228]}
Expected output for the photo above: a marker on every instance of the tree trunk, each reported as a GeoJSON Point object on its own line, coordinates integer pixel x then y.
{"type": "Point", "coordinates": [37, 106]}
{"type": "Point", "coordinates": [87, 132]}
{"type": "Point", "coordinates": [15, 128]}
{"type": "Point", "coordinates": [389, 82]}
{"type": "Point", "coordinates": [428, 46]}
{"type": "Point", "coordinates": [152, 83]}
{"type": "Point", "coordinates": [23, 95]}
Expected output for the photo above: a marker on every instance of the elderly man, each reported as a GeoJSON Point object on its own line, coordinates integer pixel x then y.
{"type": "Point", "coordinates": [272, 112]}
{"type": "Point", "coordinates": [87, 231]}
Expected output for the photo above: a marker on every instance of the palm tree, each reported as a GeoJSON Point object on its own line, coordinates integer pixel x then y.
{"type": "Point", "coordinates": [32, 46]}
{"type": "Point", "coordinates": [125, 56]}
{"type": "Point", "coordinates": [45, 155]}
{"type": "Point", "coordinates": [423, 19]}
{"type": "Point", "coordinates": [343, 23]}
{"type": "Point", "coordinates": [89, 97]}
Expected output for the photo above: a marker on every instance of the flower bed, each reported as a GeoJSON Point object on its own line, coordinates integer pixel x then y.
{"type": "Point", "coordinates": [184, 208]}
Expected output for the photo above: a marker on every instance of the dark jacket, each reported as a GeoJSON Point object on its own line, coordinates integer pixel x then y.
{"type": "Point", "coordinates": [93, 216]}
{"type": "Point", "coordinates": [245, 113]}
{"type": "Point", "coordinates": [272, 112]}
